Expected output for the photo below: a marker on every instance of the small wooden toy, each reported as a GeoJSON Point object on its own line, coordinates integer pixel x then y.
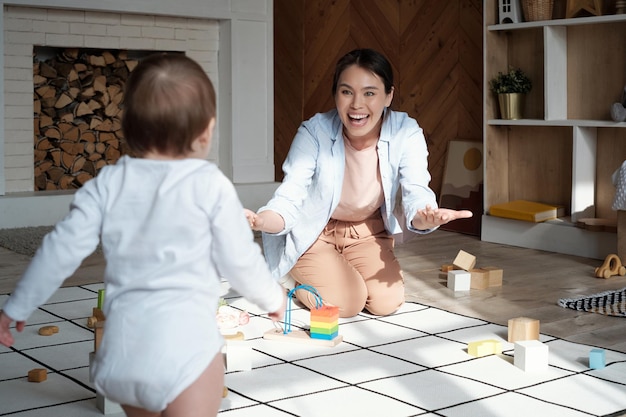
{"type": "Point", "coordinates": [324, 323]}
{"type": "Point", "coordinates": [96, 315]}
{"type": "Point", "coordinates": [447, 267]}
{"type": "Point", "coordinates": [531, 355]}
{"type": "Point", "coordinates": [97, 335]}
{"type": "Point", "coordinates": [230, 319]}
{"type": "Point", "coordinates": [479, 279]}
{"type": "Point", "coordinates": [495, 275]}
{"type": "Point", "coordinates": [523, 328]}
{"type": "Point", "coordinates": [597, 359]}
{"type": "Point", "coordinates": [48, 330]}
{"type": "Point", "coordinates": [459, 280]}
{"type": "Point", "coordinates": [464, 261]}
{"type": "Point", "coordinates": [484, 347]}
{"type": "Point", "coordinates": [37, 375]}
{"type": "Point", "coordinates": [612, 266]}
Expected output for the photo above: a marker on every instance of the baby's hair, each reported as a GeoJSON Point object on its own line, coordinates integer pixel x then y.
{"type": "Point", "coordinates": [168, 102]}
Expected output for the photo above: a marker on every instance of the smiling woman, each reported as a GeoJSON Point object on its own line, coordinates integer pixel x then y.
{"type": "Point", "coordinates": [330, 223]}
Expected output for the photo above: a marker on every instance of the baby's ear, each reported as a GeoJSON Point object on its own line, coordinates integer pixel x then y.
{"type": "Point", "coordinates": [207, 136]}
{"type": "Point", "coordinates": [211, 128]}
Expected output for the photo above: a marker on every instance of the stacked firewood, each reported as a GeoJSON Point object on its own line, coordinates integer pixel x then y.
{"type": "Point", "coordinates": [77, 110]}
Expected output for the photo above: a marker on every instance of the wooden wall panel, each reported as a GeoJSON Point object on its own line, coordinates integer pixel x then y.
{"type": "Point", "coordinates": [288, 76]}
{"type": "Point", "coordinates": [435, 48]}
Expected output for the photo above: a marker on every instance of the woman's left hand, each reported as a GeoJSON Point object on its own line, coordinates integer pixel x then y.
{"type": "Point", "coordinates": [429, 218]}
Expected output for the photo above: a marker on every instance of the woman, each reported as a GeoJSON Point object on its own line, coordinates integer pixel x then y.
{"type": "Point", "coordinates": [330, 223]}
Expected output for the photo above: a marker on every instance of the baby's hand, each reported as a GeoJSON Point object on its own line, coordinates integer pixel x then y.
{"type": "Point", "coordinates": [252, 218]}
{"type": "Point", "coordinates": [279, 314]}
{"type": "Point", "coordinates": [6, 338]}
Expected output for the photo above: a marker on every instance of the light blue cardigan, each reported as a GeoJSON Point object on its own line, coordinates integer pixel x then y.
{"type": "Point", "coordinates": [313, 179]}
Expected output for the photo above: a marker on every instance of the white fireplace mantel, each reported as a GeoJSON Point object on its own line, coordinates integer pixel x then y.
{"type": "Point", "coordinates": [245, 133]}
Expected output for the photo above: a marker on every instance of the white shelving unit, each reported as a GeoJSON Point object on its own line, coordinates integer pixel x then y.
{"type": "Point", "coordinates": [566, 150]}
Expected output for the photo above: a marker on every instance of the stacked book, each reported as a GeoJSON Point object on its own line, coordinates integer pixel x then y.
{"type": "Point", "coordinates": [529, 211]}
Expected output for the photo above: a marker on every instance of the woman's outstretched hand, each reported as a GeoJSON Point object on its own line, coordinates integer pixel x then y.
{"type": "Point", "coordinates": [429, 218]}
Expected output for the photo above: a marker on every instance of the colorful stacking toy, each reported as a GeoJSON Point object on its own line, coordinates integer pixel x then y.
{"type": "Point", "coordinates": [325, 322]}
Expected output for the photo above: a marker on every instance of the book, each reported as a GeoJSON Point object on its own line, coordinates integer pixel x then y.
{"type": "Point", "coordinates": [529, 211]}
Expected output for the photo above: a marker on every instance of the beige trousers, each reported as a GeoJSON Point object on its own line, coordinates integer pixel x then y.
{"type": "Point", "coordinates": [352, 266]}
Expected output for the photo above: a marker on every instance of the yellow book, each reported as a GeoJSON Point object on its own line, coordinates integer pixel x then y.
{"type": "Point", "coordinates": [529, 211]}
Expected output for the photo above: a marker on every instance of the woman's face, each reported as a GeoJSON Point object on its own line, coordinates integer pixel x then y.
{"type": "Point", "coordinates": [360, 101]}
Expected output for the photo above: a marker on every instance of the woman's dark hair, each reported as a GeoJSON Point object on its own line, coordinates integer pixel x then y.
{"type": "Point", "coordinates": [367, 59]}
{"type": "Point", "coordinates": [168, 102]}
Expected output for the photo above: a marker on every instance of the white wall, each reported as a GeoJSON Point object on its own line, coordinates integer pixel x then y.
{"type": "Point", "coordinates": [233, 40]}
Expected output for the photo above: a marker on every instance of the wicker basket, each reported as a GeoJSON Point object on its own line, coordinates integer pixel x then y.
{"type": "Point", "coordinates": [537, 9]}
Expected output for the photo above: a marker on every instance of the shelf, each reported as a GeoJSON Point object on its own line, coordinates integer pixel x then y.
{"type": "Point", "coordinates": [568, 147]}
{"type": "Point", "coordinates": [557, 236]}
{"type": "Point", "coordinates": [576, 21]}
{"type": "Point", "coordinates": [560, 123]}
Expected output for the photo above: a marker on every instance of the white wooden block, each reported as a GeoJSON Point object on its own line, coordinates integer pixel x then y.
{"type": "Point", "coordinates": [92, 357]}
{"type": "Point", "coordinates": [238, 356]}
{"type": "Point", "coordinates": [107, 406]}
{"type": "Point", "coordinates": [459, 280]}
{"type": "Point", "coordinates": [531, 355]}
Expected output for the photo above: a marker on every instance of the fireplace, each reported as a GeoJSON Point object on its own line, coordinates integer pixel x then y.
{"type": "Point", "coordinates": [77, 109]}
{"type": "Point", "coordinates": [231, 39]}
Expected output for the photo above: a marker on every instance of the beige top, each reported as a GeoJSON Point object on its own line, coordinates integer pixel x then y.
{"type": "Point", "coordinates": [362, 192]}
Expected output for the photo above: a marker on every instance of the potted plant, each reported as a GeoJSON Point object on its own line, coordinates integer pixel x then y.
{"type": "Point", "coordinates": [510, 88]}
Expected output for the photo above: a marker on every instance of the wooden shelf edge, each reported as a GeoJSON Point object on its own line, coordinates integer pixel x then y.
{"type": "Point", "coordinates": [558, 123]}
{"type": "Point", "coordinates": [548, 236]}
{"type": "Point", "coordinates": [559, 22]}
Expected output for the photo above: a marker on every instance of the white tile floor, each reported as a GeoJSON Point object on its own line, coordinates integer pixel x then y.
{"type": "Point", "coordinates": [414, 363]}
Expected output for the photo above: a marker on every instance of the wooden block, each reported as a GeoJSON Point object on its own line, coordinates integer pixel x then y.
{"type": "Point", "coordinates": [597, 359]}
{"type": "Point", "coordinates": [37, 375]}
{"type": "Point", "coordinates": [484, 347]}
{"type": "Point", "coordinates": [97, 335]}
{"type": "Point", "coordinates": [495, 275]}
{"type": "Point", "coordinates": [300, 336]}
{"type": "Point", "coordinates": [531, 355]}
{"type": "Point", "coordinates": [479, 279]}
{"type": "Point", "coordinates": [107, 406]}
{"type": "Point", "coordinates": [447, 267]}
{"type": "Point", "coordinates": [523, 328]}
{"type": "Point", "coordinates": [236, 336]}
{"type": "Point", "coordinates": [48, 330]}
{"type": "Point", "coordinates": [98, 314]}
{"type": "Point", "coordinates": [459, 280]}
{"type": "Point", "coordinates": [238, 356]}
{"type": "Point", "coordinates": [464, 260]}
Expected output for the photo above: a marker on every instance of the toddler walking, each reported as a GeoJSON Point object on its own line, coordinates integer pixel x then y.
{"type": "Point", "coordinates": [170, 224]}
